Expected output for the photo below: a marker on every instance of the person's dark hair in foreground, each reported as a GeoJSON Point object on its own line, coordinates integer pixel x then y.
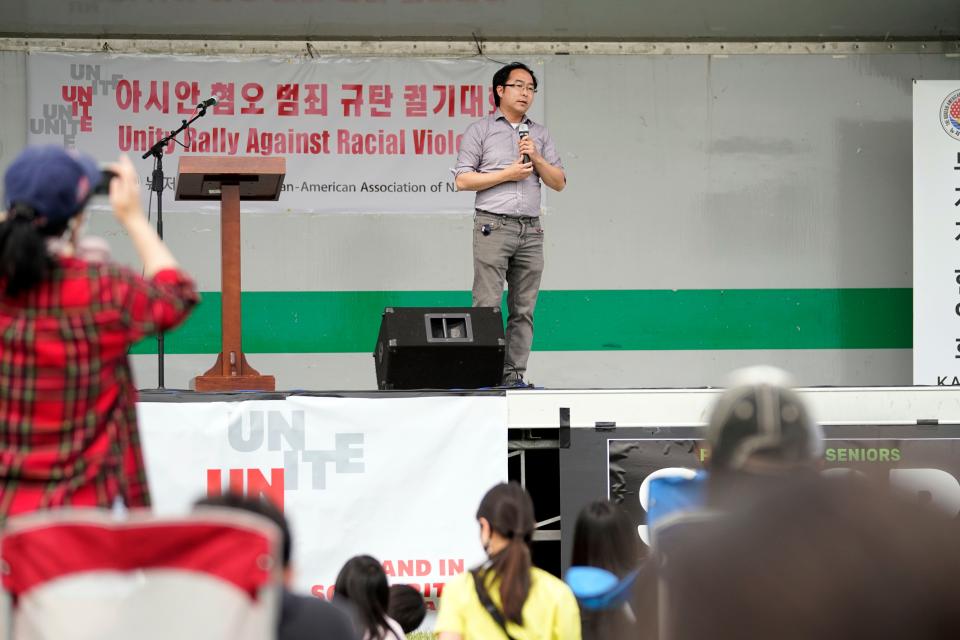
{"type": "Point", "coordinates": [363, 582]}
{"type": "Point", "coordinates": [407, 607]}
{"type": "Point", "coordinates": [604, 537]}
{"type": "Point", "coordinates": [825, 559]}
{"type": "Point", "coordinates": [24, 261]}
{"type": "Point", "coordinates": [301, 617]}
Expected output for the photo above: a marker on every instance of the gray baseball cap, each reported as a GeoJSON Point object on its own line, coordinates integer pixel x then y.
{"type": "Point", "coordinates": [761, 425]}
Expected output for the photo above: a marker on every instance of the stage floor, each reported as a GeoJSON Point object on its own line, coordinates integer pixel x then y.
{"type": "Point", "coordinates": [540, 408]}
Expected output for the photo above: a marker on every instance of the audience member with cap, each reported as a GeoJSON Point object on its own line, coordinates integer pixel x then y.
{"type": "Point", "coordinates": [68, 426]}
{"type": "Point", "coordinates": [507, 597]}
{"type": "Point", "coordinates": [760, 440]}
{"type": "Point", "coordinates": [759, 433]}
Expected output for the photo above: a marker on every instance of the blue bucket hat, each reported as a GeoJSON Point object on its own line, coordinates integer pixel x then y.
{"type": "Point", "coordinates": [597, 589]}
{"type": "Point", "coordinates": [55, 182]}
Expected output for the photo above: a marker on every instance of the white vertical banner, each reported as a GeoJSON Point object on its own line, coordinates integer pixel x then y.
{"type": "Point", "coordinates": [936, 232]}
{"type": "Point", "coordinates": [396, 478]}
{"type": "Point", "coordinates": [375, 135]}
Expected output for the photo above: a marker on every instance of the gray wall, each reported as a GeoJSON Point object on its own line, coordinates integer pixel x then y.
{"type": "Point", "coordinates": [511, 20]}
{"type": "Point", "coordinates": [685, 172]}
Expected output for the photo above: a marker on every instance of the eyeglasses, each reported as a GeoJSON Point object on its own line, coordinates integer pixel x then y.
{"type": "Point", "coordinates": [519, 86]}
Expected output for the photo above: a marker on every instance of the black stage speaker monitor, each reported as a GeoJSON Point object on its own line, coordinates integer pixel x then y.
{"type": "Point", "coordinates": [440, 348]}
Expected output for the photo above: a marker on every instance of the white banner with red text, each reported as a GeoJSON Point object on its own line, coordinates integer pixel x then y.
{"type": "Point", "coordinates": [396, 478]}
{"type": "Point", "coordinates": [359, 135]}
{"type": "Point", "coordinates": [936, 232]}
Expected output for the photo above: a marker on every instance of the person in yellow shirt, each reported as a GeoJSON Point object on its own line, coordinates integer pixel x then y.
{"type": "Point", "coordinates": [507, 597]}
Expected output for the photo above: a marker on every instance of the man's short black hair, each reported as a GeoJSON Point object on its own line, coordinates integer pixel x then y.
{"type": "Point", "coordinates": [501, 76]}
{"type": "Point", "coordinates": [262, 506]}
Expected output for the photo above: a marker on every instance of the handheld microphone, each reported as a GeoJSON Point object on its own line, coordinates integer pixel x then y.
{"type": "Point", "coordinates": [209, 102]}
{"type": "Point", "coordinates": [524, 131]}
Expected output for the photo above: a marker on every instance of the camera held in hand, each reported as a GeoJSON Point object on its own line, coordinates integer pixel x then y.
{"type": "Point", "coordinates": [106, 175]}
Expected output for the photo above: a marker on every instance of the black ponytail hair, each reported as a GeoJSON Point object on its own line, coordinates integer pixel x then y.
{"type": "Point", "coordinates": [509, 510]}
{"type": "Point", "coordinates": [24, 261]}
{"type": "Point", "coordinates": [605, 537]}
{"type": "Point", "coordinates": [363, 582]}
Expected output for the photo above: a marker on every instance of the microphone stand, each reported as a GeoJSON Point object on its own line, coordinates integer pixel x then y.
{"type": "Point", "coordinates": [157, 186]}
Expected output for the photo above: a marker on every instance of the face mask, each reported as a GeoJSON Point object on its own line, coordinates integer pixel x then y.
{"type": "Point", "coordinates": [485, 543]}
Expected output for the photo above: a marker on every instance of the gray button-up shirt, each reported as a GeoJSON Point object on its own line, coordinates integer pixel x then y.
{"type": "Point", "coordinates": [491, 144]}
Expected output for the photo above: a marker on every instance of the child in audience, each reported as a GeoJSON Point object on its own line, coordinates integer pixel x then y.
{"type": "Point", "coordinates": [363, 583]}
{"type": "Point", "coordinates": [407, 607]}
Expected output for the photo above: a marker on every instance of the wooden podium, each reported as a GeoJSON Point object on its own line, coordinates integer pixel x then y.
{"type": "Point", "coordinates": [230, 180]}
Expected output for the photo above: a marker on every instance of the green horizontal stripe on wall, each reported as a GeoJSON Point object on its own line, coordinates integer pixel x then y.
{"type": "Point", "coordinates": [574, 320]}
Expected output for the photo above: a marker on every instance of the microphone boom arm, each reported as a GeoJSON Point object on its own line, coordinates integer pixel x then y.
{"type": "Point", "coordinates": [157, 149]}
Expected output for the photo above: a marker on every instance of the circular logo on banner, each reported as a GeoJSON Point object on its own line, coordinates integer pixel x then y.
{"type": "Point", "coordinates": [950, 115]}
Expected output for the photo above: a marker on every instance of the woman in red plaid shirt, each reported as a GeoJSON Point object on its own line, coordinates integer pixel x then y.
{"type": "Point", "coordinates": [68, 428]}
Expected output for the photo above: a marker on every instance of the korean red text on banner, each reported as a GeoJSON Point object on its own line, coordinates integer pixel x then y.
{"type": "Point", "coordinates": [252, 94]}
{"type": "Point", "coordinates": [337, 122]}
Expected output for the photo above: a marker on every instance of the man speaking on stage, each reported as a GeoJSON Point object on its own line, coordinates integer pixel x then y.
{"type": "Point", "coordinates": [504, 157]}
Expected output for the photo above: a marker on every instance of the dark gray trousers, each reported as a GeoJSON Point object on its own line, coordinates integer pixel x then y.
{"type": "Point", "coordinates": [511, 252]}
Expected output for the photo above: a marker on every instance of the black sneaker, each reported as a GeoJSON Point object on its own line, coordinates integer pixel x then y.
{"type": "Point", "coordinates": [515, 381]}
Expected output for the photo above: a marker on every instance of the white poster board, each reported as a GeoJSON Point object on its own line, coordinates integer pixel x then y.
{"type": "Point", "coordinates": [396, 478]}
{"type": "Point", "coordinates": [936, 232]}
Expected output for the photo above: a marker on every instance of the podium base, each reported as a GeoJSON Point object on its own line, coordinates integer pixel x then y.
{"type": "Point", "coordinates": [235, 378]}
{"type": "Point", "coordinates": [233, 383]}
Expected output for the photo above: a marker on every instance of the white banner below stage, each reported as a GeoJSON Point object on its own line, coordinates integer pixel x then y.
{"type": "Point", "coordinates": [359, 135]}
{"type": "Point", "coordinates": [936, 232]}
{"type": "Point", "coordinates": [396, 478]}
